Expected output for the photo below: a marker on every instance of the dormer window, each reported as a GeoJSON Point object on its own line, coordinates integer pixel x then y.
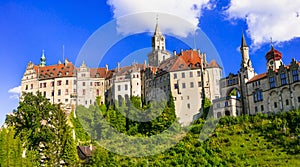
{"type": "Point", "coordinates": [59, 74]}
{"type": "Point", "coordinates": [67, 73]}
{"type": "Point", "coordinates": [283, 79]}
{"type": "Point", "coordinates": [295, 74]}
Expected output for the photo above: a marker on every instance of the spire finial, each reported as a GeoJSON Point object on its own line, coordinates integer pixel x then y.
{"type": "Point", "coordinates": [157, 30]}
{"type": "Point", "coordinates": [43, 59]}
{"type": "Point", "coordinates": [244, 43]}
{"type": "Point", "coordinates": [271, 40]}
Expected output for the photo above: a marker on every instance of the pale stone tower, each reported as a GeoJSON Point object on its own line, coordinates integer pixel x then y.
{"type": "Point", "coordinates": [246, 73]}
{"type": "Point", "coordinates": [159, 53]}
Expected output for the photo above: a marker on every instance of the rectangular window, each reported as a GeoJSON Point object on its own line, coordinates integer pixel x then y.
{"type": "Point", "coordinates": [175, 86]}
{"type": "Point", "coordinates": [299, 99]}
{"type": "Point", "coordinates": [52, 93]}
{"type": "Point", "coordinates": [74, 90]}
{"type": "Point", "coordinates": [67, 82]}
{"type": "Point", "coordinates": [59, 83]}
{"type": "Point", "coordinates": [188, 97]}
{"type": "Point", "coordinates": [191, 74]}
{"type": "Point", "coordinates": [192, 84]}
{"type": "Point", "coordinates": [275, 104]}
{"type": "Point", "coordinates": [183, 85]}
{"type": "Point", "coordinates": [256, 110]}
{"type": "Point", "coordinates": [45, 84]}
{"type": "Point", "coordinates": [83, 91]}
{"type": "Point", "coordinates": [287, 102]}
{"type": "Point", "coordinates": [41, 85]}
{"type": "Point", "coordinates": [188, 106]}
{"type": "Point", "coordinates": [59, 92]}
{"type": "Point", "coordinates": [262, 108]}
{"type": "Point", "coordinates": [52, 83]}
{"type": "Point", "coordinates": [126, 87]}
{"type": "Point", "coordinates": [183, 75]}
{"type": "Point", "coordinates": [67, 92]}
{"type": "Point", "coordinates": [45, 94]}
{"type": "Point", "coordinates": [119, 87]}
{"type": "Point", "coordinates": [175, 76]}
{"type": "Point", "coordinates": [31, 86]}
{"type": "Point", "coordinates": [272, 82]}
{"type": "Point", "coordinates": [91, 83]}
{"type": "Point", "coordinates": [97, 92]}
{"type": "Point", "coordinates": [199, 84]}
{"type": "Point", "coordinates": [283, 79]}
{"type": "Point", "coordinates": [258, 96]}
{"type": "Point", "coordinates": [226, 104]}
{"type": "Point", "coordinates": [295, 74]}
{"type": "Point", "coordinates": [198, 73]}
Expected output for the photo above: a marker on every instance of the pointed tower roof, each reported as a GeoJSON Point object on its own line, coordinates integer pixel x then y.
{"type": "Point", "coordinates": [43, 59]}
{"type": "Point", "coordinates": [157, 30]}
{"type": "Point", "coordinates": [243, 43]}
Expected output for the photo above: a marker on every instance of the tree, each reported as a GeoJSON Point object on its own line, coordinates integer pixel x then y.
{"type": "Point", "coordinates": [43, 127]}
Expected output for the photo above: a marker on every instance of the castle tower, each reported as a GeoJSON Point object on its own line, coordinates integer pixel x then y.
{"type": "Point", "coordinates": [43, 59]}
{"type": "Point", "coordinates": [246, 70]}
{"type": "Point", "coordinates": [159, 53]}
{"type": "Point", "coordinates": [246, 73]}
{"type": "Point", "coordinates": [274, 59]}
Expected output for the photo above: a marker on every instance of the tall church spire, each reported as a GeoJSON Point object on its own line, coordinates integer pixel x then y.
{"type": "Point", "coordinates": [159, 53]}
{"type": "Point", "coordinates": [157, 30]}
{"type": "Point", "coordinates": [243, 43]}
{"type": "Point", "coordinates": [246, 62]}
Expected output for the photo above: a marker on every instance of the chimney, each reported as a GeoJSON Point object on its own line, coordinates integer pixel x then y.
{"type": "Point", "coordinates": [181, 50]}
{"type": "Point", "coordinates": [174, 52]}
{"type": "Point", "coordinates": [106, 66]}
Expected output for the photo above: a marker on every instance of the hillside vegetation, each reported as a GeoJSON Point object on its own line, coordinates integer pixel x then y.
{"type": "Point", "coordinates": [259, 140]}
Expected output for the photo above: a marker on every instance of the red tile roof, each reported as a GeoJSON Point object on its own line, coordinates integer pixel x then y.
{"type": "Point", "coordinates": [98, 72]}
{"type": "Point", "coordinates": [188, 59]}
{"type": "Point", "coordinates": [258, 77]}
{"type": "Point", "coordinates": [54, 71]}
{"type": "Point", "coordinates": [213, 64]}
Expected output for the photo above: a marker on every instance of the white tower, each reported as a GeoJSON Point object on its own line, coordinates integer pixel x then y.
{"type": "Point", "coordinates": [159, 53]}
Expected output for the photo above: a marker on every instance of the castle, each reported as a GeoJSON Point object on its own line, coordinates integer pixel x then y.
{"type": "Point", "coordinates": [186, 75]}
{"type": "Point", "coordinates": [246, 92]}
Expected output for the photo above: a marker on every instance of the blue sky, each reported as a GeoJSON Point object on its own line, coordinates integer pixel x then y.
{"type": "Point", "coordinates": [28, 27]}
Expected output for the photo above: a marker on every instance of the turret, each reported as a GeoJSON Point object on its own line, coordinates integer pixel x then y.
{"type": "Point", "coordinates": [43, 59]}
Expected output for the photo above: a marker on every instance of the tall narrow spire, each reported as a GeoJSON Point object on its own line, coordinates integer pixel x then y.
{"type": "Point", "coordinates": [157, 30]}
{"type": "Point", "coordinates": [243, 43]}
{"type": "Point", "coordinates": [43, 59]}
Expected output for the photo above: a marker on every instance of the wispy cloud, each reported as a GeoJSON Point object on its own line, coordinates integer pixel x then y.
{"type": "Point", "coordinates": [15, 92]}
{"type": "Point", "coordinates": [188, 10]}
{"type": "Point", "coordinates": [276, 19]}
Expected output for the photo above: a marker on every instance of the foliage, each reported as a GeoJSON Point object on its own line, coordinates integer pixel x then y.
{"type": "Point", "coordinates": [258, 140]}
{"type": "Point", "coordinates": [43, 128]}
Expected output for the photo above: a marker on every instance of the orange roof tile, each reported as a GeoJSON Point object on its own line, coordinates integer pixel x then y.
{"type": "Point", "coordinates": [213, 64]}
{"type": "Point", "coordinates": [54, 71]}
{"type": "Point", "coordinates": [188, 59]}
{"type": "Point", "coordinates": [101, 72]}
{"type": "Point", "coordinates": [258, 77]}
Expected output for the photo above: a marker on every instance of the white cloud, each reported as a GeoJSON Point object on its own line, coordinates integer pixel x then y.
{"type": "Point", "coordinates": [144, 15]}
{"type": "Point", "coordinates": [276, 19]}
{"type": "Point", "coordinates": [15, 92]}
